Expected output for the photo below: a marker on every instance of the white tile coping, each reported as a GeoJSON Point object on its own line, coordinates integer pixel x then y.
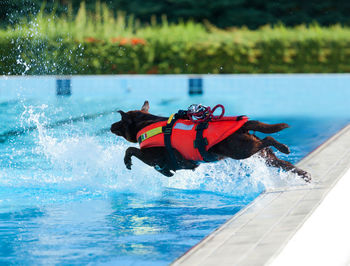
{"type": "Point", "coordinates": [324, 238]}
{"type": "Point", "coordinates": [257, 234]}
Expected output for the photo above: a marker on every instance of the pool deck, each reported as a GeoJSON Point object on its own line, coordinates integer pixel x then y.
{"type": "Point", "coordinates": [258, 233]}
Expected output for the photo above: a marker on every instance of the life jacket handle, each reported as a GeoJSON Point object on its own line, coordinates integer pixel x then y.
{"type": "Point", "coordinates": [200, 113]}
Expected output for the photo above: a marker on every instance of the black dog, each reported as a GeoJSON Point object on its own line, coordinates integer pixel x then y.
{"type": "Point", "coordinates": [240, 145]}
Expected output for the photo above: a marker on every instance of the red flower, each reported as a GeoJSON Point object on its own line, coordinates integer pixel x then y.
{"type": "Point", "coordinates": [124, 41]}
{"type": "Point", "coordinates": [136, 41]}
{"type": "Point", "coordinates": [91, 39]}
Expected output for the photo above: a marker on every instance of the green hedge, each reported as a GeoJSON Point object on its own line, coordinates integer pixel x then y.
{"type": "Point", "coordinates": [109, 45]}
{"type": "Point", "coordinates": [72, 57]}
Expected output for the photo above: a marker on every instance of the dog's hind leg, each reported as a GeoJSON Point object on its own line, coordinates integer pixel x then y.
{"type": "Point", "coordinates": [270, 141]}
{"type": "Point", "coordinates": [267, 142]}
{"type": "Point", "coordinates": [264, 128]}
{"type": "Point", "coordinates": [272, 160]}
{"type": "Point", "coordinates": [243, 145]}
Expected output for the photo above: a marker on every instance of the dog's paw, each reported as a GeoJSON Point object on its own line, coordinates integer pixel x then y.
{"type": "Point", "coordinates": [127, 162]}
{"type": "Point", "coordinates": [167, 173]}
{"type": "Point", "coordinates": [284, 149]}
{"type": "Point", "coordinates": [284, 125]}
{"type": "Point", "coordinates": [306, 176]}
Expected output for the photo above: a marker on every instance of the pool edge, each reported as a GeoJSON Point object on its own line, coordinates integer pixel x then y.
{"type": "Point", "coordinates": [260, 231]}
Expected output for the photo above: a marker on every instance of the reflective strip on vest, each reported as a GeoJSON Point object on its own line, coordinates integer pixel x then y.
{"type": "Point", "coordinates": [153, 132]}
{"type": "Point", "coordinates": [150, 133]}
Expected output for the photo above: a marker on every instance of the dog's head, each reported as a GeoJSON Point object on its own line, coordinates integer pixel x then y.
{"type": "Point", "coordinates": [127, 127]}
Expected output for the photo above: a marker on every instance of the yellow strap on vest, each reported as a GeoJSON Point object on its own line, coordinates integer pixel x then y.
{"type": "Point", "coordinates": [154, 131]}
{"type": "Point", "coordinates": [170, 118]}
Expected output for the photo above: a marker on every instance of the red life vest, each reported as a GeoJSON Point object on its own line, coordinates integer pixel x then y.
{"type": "Point", "coordinates": [184, 134]}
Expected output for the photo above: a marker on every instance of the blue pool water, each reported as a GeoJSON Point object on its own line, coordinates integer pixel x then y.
{"type": "Point", "coordinates": [66, 196]}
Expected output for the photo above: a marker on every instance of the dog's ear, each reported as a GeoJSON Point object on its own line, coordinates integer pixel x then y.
{"type": "Point", "coordinates": [125, 117]}
{"type": "Point", "coordinates": [145, 106]}
{"type": "Point", "coordinates": [121, 113]}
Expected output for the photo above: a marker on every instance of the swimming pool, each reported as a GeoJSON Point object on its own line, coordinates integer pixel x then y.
{"type": "Point", "coordinates": [66, 196]}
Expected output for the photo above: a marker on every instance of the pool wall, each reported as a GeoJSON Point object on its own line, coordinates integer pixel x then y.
{"type": "Point", "coordinates": [323, 94]}
{"type": "Point", "coordinates": [258, 233]}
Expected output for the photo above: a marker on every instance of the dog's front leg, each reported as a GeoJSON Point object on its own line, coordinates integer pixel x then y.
{"type": "Point", "coordinates": [145, 157]}
{"type": "Point", "coordinates": [127, 157]}
{"type": "Point", "coordinates": [154, 157]}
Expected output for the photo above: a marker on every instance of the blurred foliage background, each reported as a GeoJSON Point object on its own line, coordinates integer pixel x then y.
{"type": "Point", "coordinates": [221, 13]}
{"type": "Point", "coordinates": [173, 37]}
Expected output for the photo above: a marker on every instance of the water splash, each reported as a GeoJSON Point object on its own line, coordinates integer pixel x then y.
{"type": "Point", "coordinates": [31, 49]}
{"type": "Point", "coordinates": [95, 164]}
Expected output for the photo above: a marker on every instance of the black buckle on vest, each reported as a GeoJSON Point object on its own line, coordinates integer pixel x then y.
{"type": "Point", "coordinates": [201, 126]}
{"type": "Point", "coordinates": [167, 130]}
{"type": "Point", "coordinates": [200, 143]}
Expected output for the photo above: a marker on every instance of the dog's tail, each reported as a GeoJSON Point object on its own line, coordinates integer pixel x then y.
{"type": "Point", "coordinates": [264, 128]}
